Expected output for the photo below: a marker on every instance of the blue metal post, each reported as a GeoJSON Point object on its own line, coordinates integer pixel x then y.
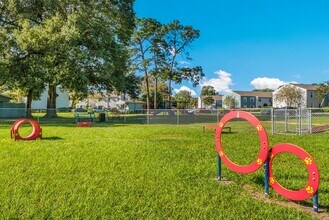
{"type": "Point", "coordinates": [219, 171]}
{"type": "Point", "coordinates": [266, 171]}
{"type": "Point", "coordinates": [316, 202]}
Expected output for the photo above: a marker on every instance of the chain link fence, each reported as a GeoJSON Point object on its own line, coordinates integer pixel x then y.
{"type": "Point", "coordinates": [291, 121]}
{"type": "Point", "coordinates": [279, 121]}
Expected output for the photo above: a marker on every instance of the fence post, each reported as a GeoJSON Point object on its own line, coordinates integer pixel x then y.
{"type": "Point", "coordinates": [272, 120]}
{"type": "Point", "coordinates": [285, 121]}
{"type": "Point", "coordinates": [38, 115]}
{"type": "Point", "coordinates": [310, 120]}
{"type": "Point", "coordinates": [177, 116]}
{"type": "Point", "coordinates": [300, 121]}
{"type": "Point", "coordinates": [147, 117]}
{"type": "Point", "coordinates": [217, 112]}
{"type": "Point", "coordinates": [124, 117]}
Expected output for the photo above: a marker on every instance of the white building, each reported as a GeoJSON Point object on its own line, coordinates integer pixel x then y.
{"type": "Point", "coordinates": [216, 104]}
{"type": "Point", "coordinates": [101, 101]}
{"type": "Point", "coordinates": [309, 99]}
{"type": "Point", "coordinates": [62, 100]}
{"type": "Point", "coordinates": [250, 99]}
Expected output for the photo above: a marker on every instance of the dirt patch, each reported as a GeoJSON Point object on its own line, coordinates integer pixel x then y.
{"type": "Point", "coordinates": [321, 128]}
{"type": "Point", "coordinates": [223, 181]}
{"type": "Point", "coordinates": [260, 196]}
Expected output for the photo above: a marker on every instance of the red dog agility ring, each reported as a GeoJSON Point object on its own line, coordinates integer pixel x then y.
{"type": "Point", "coordinates": [36, 133]}
{"type": "Point", "coordinates": [313, 173]}
{"type": "Point", "coordinates": [262, 156]}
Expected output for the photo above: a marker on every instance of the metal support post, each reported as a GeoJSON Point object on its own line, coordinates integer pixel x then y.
{"type": "Point", "coordinates": [316, 202]}
{"type": "Point", "coordinates": [219, 171]}
{"type": "Point", "coordinates": [266, 178]}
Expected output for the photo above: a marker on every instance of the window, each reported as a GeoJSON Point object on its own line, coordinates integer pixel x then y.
{"type": "Point", "coordinates": [252, 106]}
{"type": "Point", "coordinates": [245, 99]}
{"type": "Point", "coordinates": [252, 99]}
{"type": "Point", "coordinates": [259, 99]}
{"type": "Point", "coordinates": [270, 100]}
{"type": "Point", "coordinates": [311, 94]}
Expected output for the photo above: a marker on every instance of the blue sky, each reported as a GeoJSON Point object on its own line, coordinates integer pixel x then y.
{"type": "Point", "coordinates": [248, 44]}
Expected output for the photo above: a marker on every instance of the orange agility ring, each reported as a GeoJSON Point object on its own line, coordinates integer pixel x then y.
{"type": "Point", "coordinates": [36, 133]}
{"type": "Point", "coordinates": [313, 173]}
{"type": "Point", "coordinates": [262, 156]}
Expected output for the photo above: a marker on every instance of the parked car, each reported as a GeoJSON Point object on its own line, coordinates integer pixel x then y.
{"type": "Point", "coordinates": [266, 112]}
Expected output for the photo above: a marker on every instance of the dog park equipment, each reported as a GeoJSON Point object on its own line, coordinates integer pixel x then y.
{"type": "Point", "coordinates": [79, 117]}
{"type": "Point", "coordinates": [266, 157]}
{"type": "Point", "coordinates": [84, 124]}
{"type": "Point", "coordinates": [36, 132]}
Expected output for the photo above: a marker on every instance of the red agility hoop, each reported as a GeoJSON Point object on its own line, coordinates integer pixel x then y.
{"type": "Point", "coordinates": [313, 173]}
{"type": "Point", "coordinates": [36, 133]}
{"type": "Point", "coordinates": [262, 156]}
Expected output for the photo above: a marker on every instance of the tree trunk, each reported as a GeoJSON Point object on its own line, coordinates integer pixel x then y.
{"type": "Point", "coordinates": [147, 94]}
{"type": "Point", "coordinates": [155, 92]}
{"type": "Point", "coordinates": [73, 102]}
{"type": "Point", "coordinates": [29, 104]}
{"type": "Point", "coordinates": [51, 103]}
{"type": "Point", "coordinates": [169, 93]}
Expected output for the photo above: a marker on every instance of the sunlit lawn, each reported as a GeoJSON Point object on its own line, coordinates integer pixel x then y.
{"type": "Point", "coordinates": [145, 172]}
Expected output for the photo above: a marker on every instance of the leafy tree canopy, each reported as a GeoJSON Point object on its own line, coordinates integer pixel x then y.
{"type": "Point", "coordinates": [77, 44]}
{"type": "Point", "coordinates": [208, 90]}
{"type": "Point", "coordinates": [291, 95]}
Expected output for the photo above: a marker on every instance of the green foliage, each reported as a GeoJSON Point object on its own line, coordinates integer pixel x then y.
{"type": "Point", "coordinates": [147, 55]}
{"type": "Point", "coordinates": [178, 38]}
{"type": "Point", "coordinates": [208, 100]}
{"type": "Point", "coordinates": [263, 90]}
{"type": "Point", "coordinates": [323, 91]}
{"type": "Point", "coordinates": [208, 90]}
{"type": "Point", "coordinates": [291, 95]}
{"type": "Point", "coordinates": [183, 99]}
{"type": "Point", "coordinates": [76, 44]}
{"type": "Point", "coordinates": [230, 102]}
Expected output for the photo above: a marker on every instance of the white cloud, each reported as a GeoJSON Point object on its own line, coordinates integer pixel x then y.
{"type": "Point", "coordinates": [184, 63]}
{"type": "Point", "coordinates": [221, 84]}
{"type": "Point", "coordinates": [193, 93]}
{"type": "Point", "coordinates": [271, 83]}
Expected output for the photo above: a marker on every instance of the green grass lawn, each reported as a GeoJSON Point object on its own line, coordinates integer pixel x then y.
{"type": "Point", "coordinates": [146, 172]}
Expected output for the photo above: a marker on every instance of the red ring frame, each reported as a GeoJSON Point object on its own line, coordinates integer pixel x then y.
{"type": "Point", "coordinates": [262, 156]}
{"type": "Point", "coordinates": [36, 132]}
{"type": "Point", "coordinates": [313, 173]}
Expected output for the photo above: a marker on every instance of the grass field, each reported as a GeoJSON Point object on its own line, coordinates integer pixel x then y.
{"type": "Point", "coordinates": [147, 172]}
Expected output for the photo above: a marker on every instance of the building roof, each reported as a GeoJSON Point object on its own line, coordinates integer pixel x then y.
{"type": "Point", "coordinates": [307, 86]}
{"type": "Point", "coordinates": [135, 102]}
{"type": "Point", "coordinates": [215, 97]}
{"type": "Point", "coordinates": [257, 94]}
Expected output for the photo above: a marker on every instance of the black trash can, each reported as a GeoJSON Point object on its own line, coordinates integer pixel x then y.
{"type": "Point", "coordinates": [102, 117]}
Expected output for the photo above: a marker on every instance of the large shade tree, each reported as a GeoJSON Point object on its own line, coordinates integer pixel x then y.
{"type": "Point", "coordinates": [178, 39]}
{"type": "Point", "coordinates": [208, 90]}
{"type": "Point", "coordinates": [148, 53]}
{"type": "Point", "coordinates": [183, 99]}
{"type": "Point", "coordinates": [80, 45]}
